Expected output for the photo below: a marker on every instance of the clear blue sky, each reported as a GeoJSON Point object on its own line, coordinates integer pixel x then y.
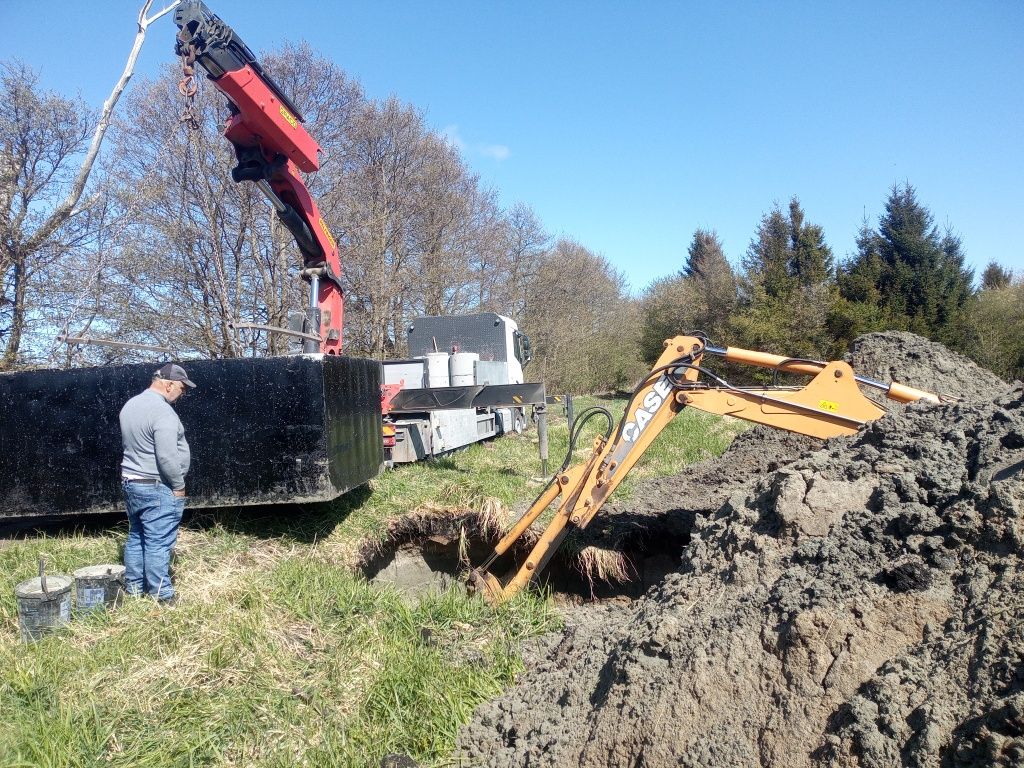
{"type": "Point", "coordinates": [627, 125]}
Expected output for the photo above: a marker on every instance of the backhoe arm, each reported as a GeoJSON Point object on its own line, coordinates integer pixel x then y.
{"type": "Point", "coordinates": [272, 147]}
{"type": "Point", "coordinates": [831, 404]}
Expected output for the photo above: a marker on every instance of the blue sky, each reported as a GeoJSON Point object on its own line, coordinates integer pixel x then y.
{"type": "Point", "coordinates": [627, 125]}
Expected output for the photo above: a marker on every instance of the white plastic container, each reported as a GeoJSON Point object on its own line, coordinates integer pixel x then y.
{"type": "Point", "coordinates": [437, 369]}
{"type": "Point", "coordinates": [463, 368]}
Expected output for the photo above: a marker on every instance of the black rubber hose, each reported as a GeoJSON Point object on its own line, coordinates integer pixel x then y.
{"type": "Point", "coordinates": [577, 427]}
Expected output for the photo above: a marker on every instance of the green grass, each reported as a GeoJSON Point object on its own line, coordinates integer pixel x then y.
{"type": "Point", "coordinates": [279, 654]}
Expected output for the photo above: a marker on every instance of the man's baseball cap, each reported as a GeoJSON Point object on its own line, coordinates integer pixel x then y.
{"type": "Point", "coordinates": [172, 372]}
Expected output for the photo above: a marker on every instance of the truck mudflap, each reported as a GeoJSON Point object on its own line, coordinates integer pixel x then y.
{"type": "Point", "coordinates": [261, 431]}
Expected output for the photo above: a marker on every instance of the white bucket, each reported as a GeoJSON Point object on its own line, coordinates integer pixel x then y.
{"type": "Point", "coordinates": [463, 369]}
{"type": "Point", "coordinates": [437, 369]}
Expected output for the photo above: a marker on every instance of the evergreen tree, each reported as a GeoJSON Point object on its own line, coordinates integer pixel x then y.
{"type": "Point", "coordinates": [810, 261]}
{"type": "Point", "coordinates": [914, 277]}
{"type": "Point", "coordinates": [766, 267]}
{"type": "Point", "coordinates": [713, 284]}
{"type": "Point", "coordinates": [995, 277]}
{"type": "Point", "coordinates": [788, 286]}
{"type": "Point", "coordinates": [704, 256]}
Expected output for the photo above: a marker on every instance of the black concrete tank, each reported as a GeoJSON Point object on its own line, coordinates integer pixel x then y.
{"type": "Point", "coordinates": [264, 430]}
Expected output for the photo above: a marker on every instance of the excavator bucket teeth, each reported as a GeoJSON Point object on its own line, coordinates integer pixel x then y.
{"type": "Point", "coordinates": [484, 584]}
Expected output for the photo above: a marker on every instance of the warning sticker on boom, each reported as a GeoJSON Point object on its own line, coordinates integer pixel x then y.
{"type": "Point", "coordinates": [289, 118]}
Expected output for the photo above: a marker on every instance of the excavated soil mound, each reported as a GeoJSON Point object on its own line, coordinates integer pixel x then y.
{"type": "Point", "coordinates": [909, 359]}
{"type": "Point", "coordinates": [859, 605]}
{"type": "Point", "coordinates": [705, 486]}
{"type": "Point", "coordinates": [886, 356]}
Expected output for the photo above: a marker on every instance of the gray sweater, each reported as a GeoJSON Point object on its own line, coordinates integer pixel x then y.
{"type": "Point", "coordinates": [154, 440]}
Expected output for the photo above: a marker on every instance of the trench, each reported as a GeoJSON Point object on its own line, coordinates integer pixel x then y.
{"type": "Point", "coordinates": [425, 557]}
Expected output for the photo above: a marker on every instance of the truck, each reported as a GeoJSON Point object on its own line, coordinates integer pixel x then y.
{"type": "Point", "coordinates": [458, 387]}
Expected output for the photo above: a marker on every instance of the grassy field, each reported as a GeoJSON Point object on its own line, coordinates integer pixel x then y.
{"type": "Point", "coordinates": [279, 652]}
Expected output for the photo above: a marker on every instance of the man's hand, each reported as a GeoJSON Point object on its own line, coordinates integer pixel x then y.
{"type": "Point", "coordinates": [180, 494]}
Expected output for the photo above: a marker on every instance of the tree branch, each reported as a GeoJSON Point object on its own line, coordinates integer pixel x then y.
{"type": "Point", "coordinates": [67, 208]}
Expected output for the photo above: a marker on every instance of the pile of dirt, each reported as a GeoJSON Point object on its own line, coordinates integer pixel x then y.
{"type": "Point", "coordinates": [859, 604]}
{"type": "Point", "coordinates": [705, 486]}
{"type": "Point", "coordinates": [909, 359]}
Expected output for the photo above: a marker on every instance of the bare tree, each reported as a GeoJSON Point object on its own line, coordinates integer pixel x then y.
{"type": "Point", "coordinates": [582, 322]}
{"type": "Point", "coordinates": [377, 209]}
{"type": "Point", "coordinates": [446, 199]}
{"type": "Point", "coordinates": [43, 217]}
{"type": "Point", "coordinates": [184, 264]}
{"type": "Point", "coordinates": [488, 254]}
{"type": "Point", "coordinates": [523, 243]}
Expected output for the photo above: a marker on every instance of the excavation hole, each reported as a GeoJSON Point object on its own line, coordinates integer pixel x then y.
{"type": "Point", "coordinates": [421, 564]}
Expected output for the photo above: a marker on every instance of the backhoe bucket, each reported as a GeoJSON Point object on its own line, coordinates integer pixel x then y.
{"type": "Point", "coordinates": [261, 430]}
{"type": "Point", "coordinates": [485, 585]}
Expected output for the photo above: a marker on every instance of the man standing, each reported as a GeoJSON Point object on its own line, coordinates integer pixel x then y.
{"type": "Point", "coordinates": [156, 460]}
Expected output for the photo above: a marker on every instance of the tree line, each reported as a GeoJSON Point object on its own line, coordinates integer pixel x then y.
{"type": "Point", "coordinates": [165, 250]}
{"type": "Point", "coordinates": [790, 295]}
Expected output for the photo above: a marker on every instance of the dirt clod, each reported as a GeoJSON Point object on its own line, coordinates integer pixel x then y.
{"type": "Point", "coordinates": [857, 604]}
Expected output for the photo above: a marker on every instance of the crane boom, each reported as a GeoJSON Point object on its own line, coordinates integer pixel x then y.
{"type": "Point", "coordinates": [272, 147]}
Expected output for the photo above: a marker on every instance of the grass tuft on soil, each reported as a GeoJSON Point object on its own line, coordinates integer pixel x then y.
{"type": "Point", "coordinates": [279, 652]}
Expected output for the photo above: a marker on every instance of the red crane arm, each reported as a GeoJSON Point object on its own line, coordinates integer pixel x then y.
{"type": "Point", "coordinates": [272, 147]}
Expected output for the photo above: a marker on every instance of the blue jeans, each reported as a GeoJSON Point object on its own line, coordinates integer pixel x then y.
{"type": "Point", "coordinates": [154, 513]}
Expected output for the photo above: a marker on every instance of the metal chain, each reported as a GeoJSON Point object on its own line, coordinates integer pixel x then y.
{"type": "Point", "coordinates": [188, 86]}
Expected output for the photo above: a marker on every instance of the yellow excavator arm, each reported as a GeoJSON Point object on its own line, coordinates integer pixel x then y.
{"type": "Point", "coordinates": [830, 404]}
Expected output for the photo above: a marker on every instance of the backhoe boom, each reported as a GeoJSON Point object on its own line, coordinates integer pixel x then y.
{"type": "Point", "coordinates": [829, 405]}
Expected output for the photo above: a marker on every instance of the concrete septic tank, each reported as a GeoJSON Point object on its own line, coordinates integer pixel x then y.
{"type": "Point", "coordinates": [262, 431]}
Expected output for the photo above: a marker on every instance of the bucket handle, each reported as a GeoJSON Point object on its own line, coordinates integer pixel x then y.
{"type": "Point", "coordinates": [42, 575]}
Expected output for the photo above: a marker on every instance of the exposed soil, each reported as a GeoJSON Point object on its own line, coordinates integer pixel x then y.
{"type": "Point", "coordinates": [857, 604]}
{"type": "Point", "coordinates": [909, 359]}
{"type": "Point", "coordinates": [431, 549]}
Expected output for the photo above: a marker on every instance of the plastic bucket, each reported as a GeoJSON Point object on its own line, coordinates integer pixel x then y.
{"type": "Point", "coordinates": [44, 604]}
{"type": "Point", "coordinates": [98, 587]}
